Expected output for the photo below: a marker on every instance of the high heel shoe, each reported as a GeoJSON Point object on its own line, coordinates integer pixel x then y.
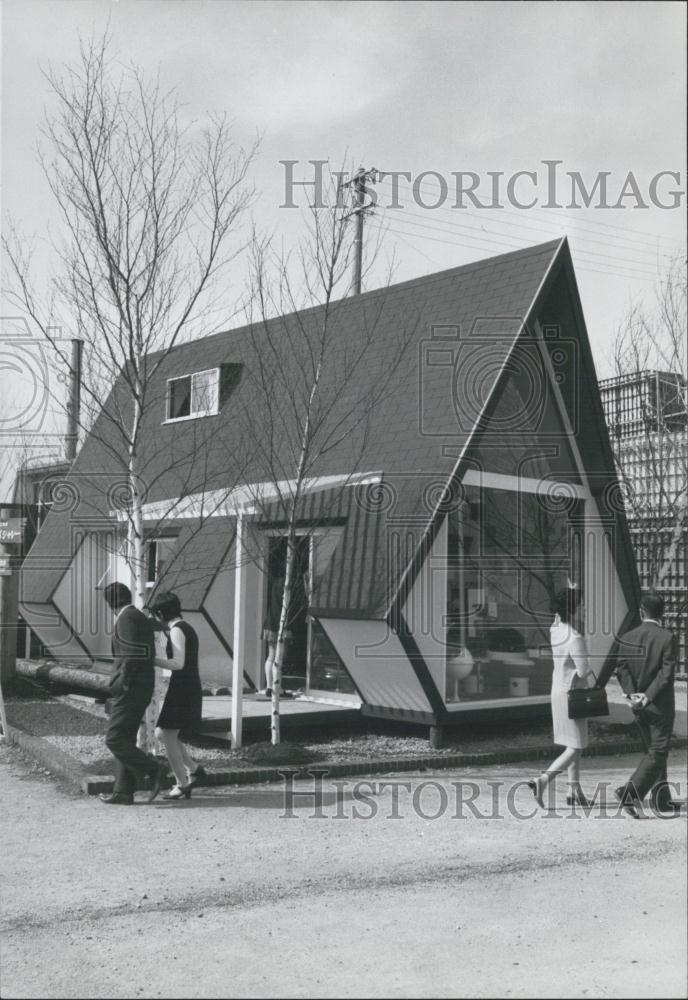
{"type": "Point", "coordinates": [179, 792]}
{"type": "Point", "coordinates": [200, 772]}
{"type": "Point", "coordinates": [537, 790]}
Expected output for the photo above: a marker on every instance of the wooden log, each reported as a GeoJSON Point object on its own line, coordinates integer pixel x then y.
{"type": "Point", "coordinates": [53, 673]}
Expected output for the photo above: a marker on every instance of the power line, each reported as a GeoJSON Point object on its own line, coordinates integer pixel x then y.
{"type": "Point", "coordinates": [537, 227]}
{"type": "Point", "coordinates": [439, 226]}
{"type": "Point", "coordinates": [593, 227]}
{"type": "Point", "coordinates": [633, 269]}
{"type": "Point", "coordinates": [453, 243]}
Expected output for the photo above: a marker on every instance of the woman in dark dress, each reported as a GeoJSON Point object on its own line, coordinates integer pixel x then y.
{"type": "Point", "coordinates": [181, 709]}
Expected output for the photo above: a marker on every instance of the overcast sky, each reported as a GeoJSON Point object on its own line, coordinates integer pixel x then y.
{"type": "Point", "coordinates": [406, 86]}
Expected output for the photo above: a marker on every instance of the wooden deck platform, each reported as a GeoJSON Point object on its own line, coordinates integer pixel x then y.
{"type": "Point", "coordinates": [294, 713]}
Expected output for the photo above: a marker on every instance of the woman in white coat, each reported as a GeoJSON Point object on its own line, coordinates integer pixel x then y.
{"type": "Point", "coordinates": [570, 663]}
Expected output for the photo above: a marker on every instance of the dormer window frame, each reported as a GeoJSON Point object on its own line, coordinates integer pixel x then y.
{"type": "Point", "coordinates": [193, 414]}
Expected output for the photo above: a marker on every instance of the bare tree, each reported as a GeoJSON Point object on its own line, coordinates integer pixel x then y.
{"type": "Point", "coordinates": [311, 396]}
{"type": "Point", "coordinates": [148, 208]}
{"type": "Point", "coordinates": [151, 211]}
{"type": "Point", "coordinates": [652, 453]}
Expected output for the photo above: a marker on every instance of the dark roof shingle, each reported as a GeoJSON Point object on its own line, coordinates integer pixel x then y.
{"type": "Point", "coordinates": [455, 329]}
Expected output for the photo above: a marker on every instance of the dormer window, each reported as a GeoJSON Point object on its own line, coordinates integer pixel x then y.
{"type": "Point", "coordinates": [196, 395]}
{"type": "Point", "coordinates": [201, 394]}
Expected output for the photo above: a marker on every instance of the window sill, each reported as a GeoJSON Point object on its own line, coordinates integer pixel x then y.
{"type": "Point", "coordinates": [192, 416]}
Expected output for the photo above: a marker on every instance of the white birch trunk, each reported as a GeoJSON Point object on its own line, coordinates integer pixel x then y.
{"type": "Point", "coordinates": [136, 553]}
{"type": "Point", "coordinates": [280, 644]}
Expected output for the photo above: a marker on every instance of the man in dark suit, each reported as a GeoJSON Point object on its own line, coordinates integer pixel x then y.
{"type": "Point", "coordinates": [131, 688]}
{"type": "Point", "coordinates": [645, 664]}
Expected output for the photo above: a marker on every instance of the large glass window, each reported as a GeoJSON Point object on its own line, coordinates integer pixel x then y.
{"type": "Point", "coordinates": [327, 672]}
{"type": "Point", "coordinates": [509, 552]}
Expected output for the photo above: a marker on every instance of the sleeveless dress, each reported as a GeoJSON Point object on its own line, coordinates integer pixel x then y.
{"type": "Point", "coordinates": [184, 700]}
{"type": "Point", "coordinates": [570, 664]}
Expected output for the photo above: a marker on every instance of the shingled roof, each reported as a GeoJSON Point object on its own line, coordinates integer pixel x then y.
{"type": "Point", "coordinates": [414, 438]}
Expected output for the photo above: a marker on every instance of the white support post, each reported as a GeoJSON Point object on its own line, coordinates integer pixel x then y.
{"type": "Point", "coordinates": [3, 718]}
{"type": "Point", "coordinates": [239, 644]}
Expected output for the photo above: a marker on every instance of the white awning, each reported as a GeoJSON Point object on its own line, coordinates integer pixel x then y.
{"type": "Point", "coordinates": [246, 499]}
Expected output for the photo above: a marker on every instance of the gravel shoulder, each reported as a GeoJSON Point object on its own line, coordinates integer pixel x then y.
{"type": "Point", "coordinates": [76, 726]}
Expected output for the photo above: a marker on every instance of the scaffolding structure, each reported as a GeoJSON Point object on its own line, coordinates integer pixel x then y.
{"type": "Point", "coordinates": [647, 416]}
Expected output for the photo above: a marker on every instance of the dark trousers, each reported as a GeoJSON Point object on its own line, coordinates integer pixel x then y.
{"type": "Point", "coordinates": [651, 773]}
{"type": "Point", "coordinates": [132, 764]}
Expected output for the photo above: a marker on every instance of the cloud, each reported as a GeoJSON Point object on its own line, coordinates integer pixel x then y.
{"type": "Point", "coordinates": [291, 65]}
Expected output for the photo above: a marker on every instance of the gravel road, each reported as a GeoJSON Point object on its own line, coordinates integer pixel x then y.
{"type": "Point", "coordinates": [225, 896]}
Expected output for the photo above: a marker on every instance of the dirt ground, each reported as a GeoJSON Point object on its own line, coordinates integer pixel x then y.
{"type": "Point", "coordinates": [243, 893]}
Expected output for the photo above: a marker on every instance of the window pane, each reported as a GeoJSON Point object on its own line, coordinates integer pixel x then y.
{"type": "Point", "coordinates": [327, 672]}
{"type": "Point", "coordinates": [204, 394]}
{"type": "Point", "coordinates": [151, 562]}
{"type": "Point", "coordinates": [159, 554]}
{"type": "Point", "coordinates": [164, 554]}
{"type": "Point", "coordinates": [509, 553]}
{"type": "Point", "coordinates": [179, 398]}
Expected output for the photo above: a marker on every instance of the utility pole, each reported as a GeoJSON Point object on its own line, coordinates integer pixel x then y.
{"type": "Point", "coordinates": [358, 186]}
{"type": "Point", "coordinates": [74, 401]}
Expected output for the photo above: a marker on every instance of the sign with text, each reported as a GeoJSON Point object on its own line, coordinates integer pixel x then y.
{"type": "Point", "coordinates": [12, 530]}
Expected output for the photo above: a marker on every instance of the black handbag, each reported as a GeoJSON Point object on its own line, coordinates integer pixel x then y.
{"type": "Point", "coordinates": [586, 703]}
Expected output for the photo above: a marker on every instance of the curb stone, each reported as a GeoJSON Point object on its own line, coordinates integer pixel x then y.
{"type": "Point", "coordinates": [78, 777]}
{"type": "Point", "coordinates": [49, 756]}
{"type": "Point", "coordinates": [62, 764]}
